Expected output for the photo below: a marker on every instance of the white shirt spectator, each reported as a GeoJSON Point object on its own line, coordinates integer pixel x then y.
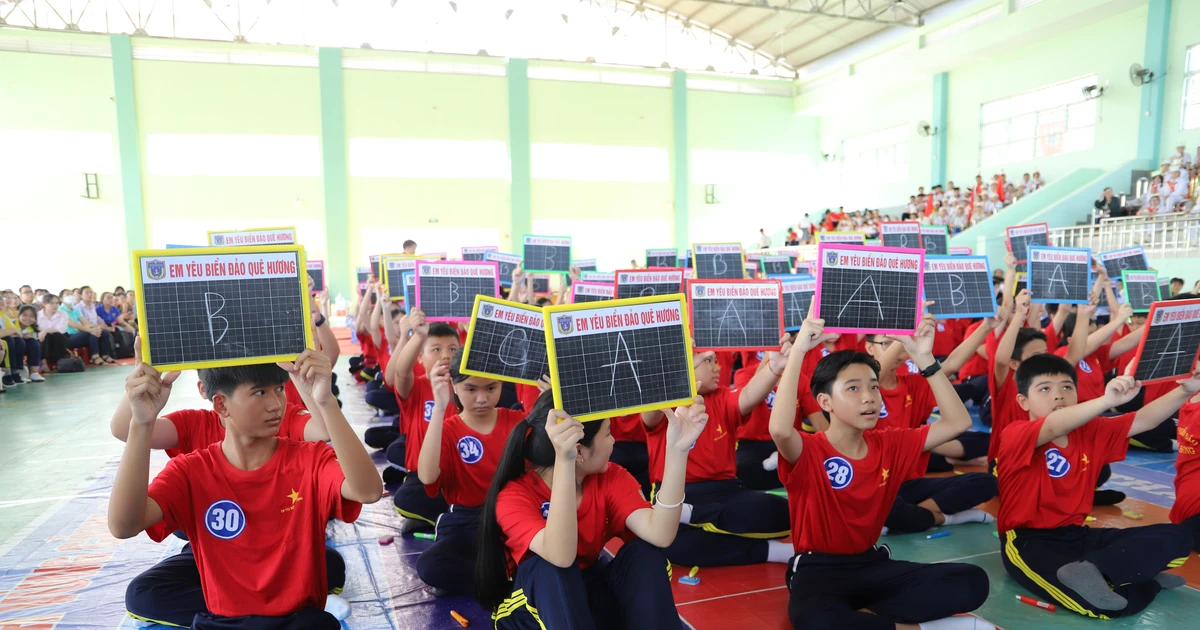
{"type": "Point", "coordinates": [1181, 156]}
{"type": "Point", "coordinates": [58, 323]}
{"type": "Point", "coordinates": [87, 312]}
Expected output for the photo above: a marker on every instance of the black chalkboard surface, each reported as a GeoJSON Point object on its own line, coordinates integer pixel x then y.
{"type": "Point", "coordinates": [736, 314]}
{"type": "Point", "coordinates": [1116, 261]}
{"type": "Point", "coordinates": [506, 341]}
{"type": "Point", "coordinates": [1141, 289]}
{"type": "Point", "coordinates": [620, 357]}
{"type": "Point", "coordinates": [662, 258]}
{"type": "Point", "coordinates": [507, 263]}
{"type": "Point", "coordinates": [935, 240]}
{"type": "Point", "coordinates": [591, 292]}
{"type": "Point", "coordinates": [547, 254]}
{"type": "Point", "coordinates": [478, 253]}
{"type": "Point", "coordinates": [316, 271]}
{"type": "Point", "coordinates": [960, 287]}
{"type": "Point", "coordinates": [1022, 237]}
{"type": "Point", "coordinates": [714, 261]}
{"type": "Point", "coordinates": [776, 265]}
{"type": "Point", "coordinates": [902, 234]}
{"type": "Point", "coordinates": [446, 290]}
{"type": "Point", "coordinates": [646, 282]}
{"type": "Point", "coordinates": [869, 289]}
{"type": "Point", "coordinates": [1060, 275]}
{"type": "Point", "coordinates": [798, 291]}
{"type": "Point", "coordinates": [213, 307]}
{"type": "Point", "coordinates": [1170, 341]}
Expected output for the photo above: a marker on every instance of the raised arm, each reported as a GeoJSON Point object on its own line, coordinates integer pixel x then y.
{"type": "Point", "coordinates": [130, 510]}
{"type": "Point", "coordinates": [1077, 346]}
{"type": "Point", "coordinates": [1095, 340]}
{"type": "Point", "coordinates": [954, 417]}
{"type": "Point", "coordinates": [323, 334]}
{"type": "Point", "coordinates": [362, 318]}
{"type": "Point", "coordinates": [1164, 407]}
{"type": "Point", "coordinates": [1010, 279]}
{"type": "Point", "coordinates": [1008, 342]}
{"type": "Point", "coordinates": [783, 413]}
{"type": "Point", "coordinates": [401, 365]}
{"type": "Point", "coordinates": [558, 542]}
{"type": "Point", "coordinates": [1119, 391]}
{"type": "Point", "coordinates": [429, 464]}
{"type": "Point", "coordinates": [971, 345]}
{"type": "Point", "coordinates": [377, 320]}
{"type": "Point", "coordinates": [659, 524]}
{"type": "Point", "coordinates": [163, 434]}
{"type": "Point", "coordinates": [765, 379]}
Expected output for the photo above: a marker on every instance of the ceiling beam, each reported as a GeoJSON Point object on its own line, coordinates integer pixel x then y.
{"type": "Point", "coordinates": [837, 10]}
{"type": "Point", "coordinates": [786, 55]}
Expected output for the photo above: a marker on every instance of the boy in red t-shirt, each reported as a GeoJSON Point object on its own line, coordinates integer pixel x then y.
{"type": "Point", "coordinates": [434, 344]}
{"type": "Point", "coordinates": [1186, 510]}
{"type": "Point", "coordinates": [237, 499]}
{"type": "Point", "coordinates": [1048, 467]}
{"type": "Point", "coordinates": [729, 524]}
{"type": "Point", "coordinates": [841, 484]}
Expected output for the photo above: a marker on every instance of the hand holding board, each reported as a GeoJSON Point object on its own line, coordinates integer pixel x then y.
{"type": "Point", "coordinates": [506, 341]}
{"type": "Point", "coordinates": [869, 289]}
{"type": "Point", "coordinates": [214, 307]}
{"type": "Point", "coordinates": [507, 263]}
{"type": "Point", "coordinates": [960, 287]}
{"type": "Point", "coordinates": [798, 294]}
{"type": "Point", "coordinates": [1141, 289]}
{"type": "Point", "coordinates": [621, 357]}
{"type": "Point", "coordinates": [736, 314]}
{"type": "Point", "coordinates": [1022, 237]}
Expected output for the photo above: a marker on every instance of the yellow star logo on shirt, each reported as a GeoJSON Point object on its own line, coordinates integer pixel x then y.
{"type": "Point", "coordinates": [885, 478]}
{"type": "Point", "coordinates": [294, 496]}
{"type": "Point", "coordinates": [720, 433]}
{"type": "Point", "coordinates": [1085, 461]}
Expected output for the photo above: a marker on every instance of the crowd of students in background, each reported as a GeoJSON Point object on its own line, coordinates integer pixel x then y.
{"type": "Point", "coordinates": [40, 330]}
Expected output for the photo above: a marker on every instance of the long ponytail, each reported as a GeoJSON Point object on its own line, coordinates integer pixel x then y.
{"type": "Point", "coordinates": [528, 442]}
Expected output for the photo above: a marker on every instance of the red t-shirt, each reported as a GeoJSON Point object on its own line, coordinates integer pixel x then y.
{"type": "Point", "coordinates": [712, 457]}
{"type": "Point", "coordinates": [369, 351]}
{"type": "Point", "coordinates": [608, 499]}
{"type": "Point", "coordinates": [528, 395]}
{"type": "Point", "coordinates": [1050, 486]}
{"type": "Point", "coordinates": [1123, 361]}
{"type": "Point", "coordinates": [415, 413]}
{"type": "Point", "coordinates": [758, 423]}
{"type": "Point", "coordinates": [839, 505]}
{"type": "Point", "coordinates": [469, 458]}
{"type": "Point", "coordinates": [1187, 464]}
{"type": "Point", "coordinates": [908, 405]}
{"type": "Point", "coordinates": [628, 428]}
{"type": "Point", "coordinates": [949, 335]}
{"type": "Point", "coordinates": [258, 535]}
{"type": "Point", "coordinates": [1090, 372]}
{"type": "Point", "coordinates": [1004, 400]}
{"type": "Point", "coordinates": [1053, 339]}
{"type": "Point", "coordinates": [976, 365]}
{"type": "Point", "coordinates": [293, 394]}
{"type": "Point", "coordinates": [201, 428]}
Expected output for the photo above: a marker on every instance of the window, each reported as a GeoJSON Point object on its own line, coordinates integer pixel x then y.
{"type": "Point", "coordinates": [599, 163]}
{"type": "Point", "coordinates": [1191, 89]}
{"type": "Point", "coordinates": [432, 159]}
{"type": "Point", "coordinates": [1050, 120]}
{"type": "Point", "coordinates": [239, 155]}
{"type": "Point", "coordinates": [880, 157]}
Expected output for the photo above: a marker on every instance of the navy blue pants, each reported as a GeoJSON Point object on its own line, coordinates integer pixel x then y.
{"type": "Point", "coordinates": [1129, 559]}
{"type": "Point", "coordinates": [384, 436]}
{"type": "Point", "coordinates": [98, 346]}
{"type": "Point", "coordinates": [450, 563]}
{"type": "Point", "coordinates": [169, 592]}
{"type": "Point", "coordinates": [381, 397]}
{"type": "Point", "coordinates": [750, 456]}
{"type": "Point", "coordinates": [395, 452]}
{"type": "Point", "coordinates": [632, 591]}
{"type": "Point", "coordinates": [974, 389]}
{"type": "Point", "coordinates": [1193, 525]}
{"type": "Point", "coordinates": [308, 618]}
{"type": "Point", "coordinates": [952, 494]}
{"type": "Point", "coordinates": [634, 457]}
{"type": "Point", "coordinates": [730, 525]}
{"type": "Point", "coordinates": [975, 444]}
{"type": "Point", "coordinates": [829, 591]}
{"type": "Point", "coordinates": [23, 353]}
{"type": "Point", "coordinates": [412, 501]}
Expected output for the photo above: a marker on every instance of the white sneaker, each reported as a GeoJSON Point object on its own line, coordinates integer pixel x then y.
{"type": "Point", "coordinates": [34, 377]}
{"type": "Point", "coordinates": [337, 606]}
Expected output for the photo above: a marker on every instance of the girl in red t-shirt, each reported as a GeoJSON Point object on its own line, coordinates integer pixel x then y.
{"type": "Point", "coordinates": [555, 501]}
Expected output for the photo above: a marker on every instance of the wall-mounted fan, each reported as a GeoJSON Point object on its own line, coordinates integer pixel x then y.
{"type": "Point", "coordinates": [1139, 75]}
{"type": "Point", "coordinates": [924, 129]}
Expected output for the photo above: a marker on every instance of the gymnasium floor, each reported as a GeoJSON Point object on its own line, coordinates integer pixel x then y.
{"type": "Point", "coordinates": [59, 567]}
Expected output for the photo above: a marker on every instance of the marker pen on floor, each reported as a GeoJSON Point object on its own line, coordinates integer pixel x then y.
{"type": "Point", "coordinates": [1033, 602]}
{"type": "Point", "coordinates": [941, 534]}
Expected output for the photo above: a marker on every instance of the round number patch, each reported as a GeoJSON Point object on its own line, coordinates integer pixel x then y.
{"type": "Point", "coordinates": [225, 519]}
{"type": "Point", "coordinates": [546, 509]}
{"type": "Point", "coordinates": [771, 400]}
{"type": "Point", "coordinates": [883, 412]}
{"type": "Point", "coordinates": [1056, 463]}
{"type": "Point", "coordinates": [840, 472]}
{"type": "Point", "coordinates": [912, 367]}
{"type": "Point", "coordinates": [470, 449]}
{"type": "Point", "coordinates": [1083, 365]}
{"type": "Point", "coordinates": [824, 352]}
{"type": "Point", "coordinates": [428, 410]}
{"type": "Point", "coordinates": [759, 355]}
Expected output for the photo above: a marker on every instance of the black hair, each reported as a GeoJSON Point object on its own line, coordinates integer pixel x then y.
{"type": "Point", "coordinates": [1179, 280]}
{"type": "Point", "coordinates": [528, 446]}
{"type": "Point", "coordinates": [442, 329]}
{"type": "Point", "coordinates": [226, 380]}
{"type": "Point", "coordinates": [1024, 336]}
{"type": "Point", "coordinates": [828, 368]}
{"type": "Point", "coordinates": [49, 297]}
{"type": "Point", "coordinates": [543, 301]}
{"type": "Point", "coordinates": [1068, 327]}
{"type": "Point", "coordinates": [118, 288]}
{"type": "Point", "coordinates": [457, 376]}
{"type": "Point", "coordinates": [1183, 296]}
{"type": "Point", "coordinates": [396, 311]}
{"type": "Point", "coordinates": [32, 309]}
{"type": "Point", "coordinates": [409, 243]}
{"type": "Point", "coordinates": [1043, 365]}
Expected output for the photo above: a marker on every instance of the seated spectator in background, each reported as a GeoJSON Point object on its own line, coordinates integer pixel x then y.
{"type": "Point", "coordinates": [26, 294]}
{"type": "Point", "coordinates": [111, 314]}
{"type": "Point", "coordinates": [910, 209]}
{"type": "Point", "coordinates": [1108, 205]}
{"type": "Point", "coordinates": [1154, 206]}
{"type": "Point", "coordinates": [18, 329]}
{"type": "Point", "coordinates": [793, 238]}
{"type": "Point", "coordinates": [764, 241]}
{"type": "Point", "coordinates": [52, 329]}
{"type": "Point", "coordinates": [1181, 156]}
{"type": "Point", "coordinates": [410, 246]}
{"type": "Point", "coordinates": [1176, 286]}
{"type": "Point", "coordinates": [129, 309]}
{"type": "Point", "coordinates": [1038, 182]}
{"type": "Point", "coordinates": [81, 332]}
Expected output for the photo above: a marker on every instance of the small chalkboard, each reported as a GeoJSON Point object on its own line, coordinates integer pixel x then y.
{"type": "Point", "coordinates": [853, 238]}
{"type": "Point", "coordinates": [798, 291]}
{"type": "Point", "coordinates": [541, 284]}
{"type": "Point", "coordinates": [751, 270]}
{"type": "Point", "coordinates": [639, 348]}
{"type": "Point", "coordinates": [804, 268]}
{"type": "Point", "coordinates": [252, 237]}
{"type": "Point", "coordinates": [1060, 275]}
{"type": "Point", "coordinates": [506, 341]}
{"type": "Point", "coordinates": [633, 283]}
{"type": "Point", "coordinates": [869, 289]}
{"type": "Point", "coordinates": [776, 265]}
{"type": "Point", "coordinates": [902, 234]}
{"type": "Point", "coordinates": [960, 251]}
{"type": "Point", "coordinates": [446, 291]}
{"type": "Point", "coordinates": [1020, 282]}
{"type": "Point", "coordinates": [662, 258]}
{"type": "Point", "coordinates": [213, 307]}
{"type": "Point", "coordinates": [687, 259]}
{"type": "Point", "coordinates": [547, 254]}
{"type": "Point", "coordinates": [719, 261]}
{"type": "Point", "coordinates": [363, 275]}
{"type": "Point", "coordinates": [598, 276]}
{"type": "Point", "coordinates": [478, 253]}
{"type": "Point", "coordinates": [736, 314]}
{"type": "Point", "coordinates": [1141, 289]}
{"type": "Point", "coordinates": [1164, 287]}
{"type": "Point", "coordinates": [935, 239]}
{"type": "Point", "coordinates": [960, 287]}
{"type": "Point", "coordinates": [1131, 258]}
{"type": "Point", "coordinates": [393, 280]}
{"type": "Point", "coordinates": [376, 270]}
{"type": "Point", "coordinates": [584, 264]}
{"type": "Point", "coordinates": [1170, 341]}
{"type": "Point", "coordinates": [431, 256]}
{"type": "Point", "coordinates": [591, 292]}
{"type": "Point", "coordinates": [1021, 237]}
{"type": "Point", "coordinates": [316, 271]}
{"type": "Point", "coordinates": [409, 280]}
{"type": "Point", "coordinates": [507, 263]}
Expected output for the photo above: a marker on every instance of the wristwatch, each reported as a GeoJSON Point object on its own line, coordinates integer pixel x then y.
{"type": "Point", "coordinates": [320, 322]}
{"type": "Point", "coordinates": [934, 368]}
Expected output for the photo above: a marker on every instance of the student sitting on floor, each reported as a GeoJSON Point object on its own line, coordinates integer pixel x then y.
{"type": "Point", "coordinates": [729, 524]}
{"type": "Point", "coordinates": [458, 458]}
{"type": "Point", "coordinates": [1186, 510]}
{"type": "Point", "coordinates": [1048, 467]}
{"type": "Point", "coordinates": [554, 503]}
{"type": "Point", "coordinates": [907, 401]}
{"type": "Point", "coordinates": [433, 344]}
{"type": "Point", "coordinates": [254, 506]}
{"type": "Point", "coordinates": [756, 459]}
{"type": "Point", "coordinates": [841, 484]}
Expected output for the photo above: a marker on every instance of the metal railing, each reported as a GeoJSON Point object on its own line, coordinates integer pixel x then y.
{"type": "Point", "coordinates": [1175, 235]}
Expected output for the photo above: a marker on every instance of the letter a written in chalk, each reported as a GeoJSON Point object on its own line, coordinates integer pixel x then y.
{"type": "Point", "coordinates": [869, 295]}
{"type": "Point", "coordinates": [1057, 276]}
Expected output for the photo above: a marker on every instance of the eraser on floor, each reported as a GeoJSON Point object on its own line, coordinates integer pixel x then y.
{"type": "Point", "coordinates": [1133, 515]}
{"type": "Point", "coordinates": [689, 580]}
{"type": "Point", "coordinates": [386, 540]}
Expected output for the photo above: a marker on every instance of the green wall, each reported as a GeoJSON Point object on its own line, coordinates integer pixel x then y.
{"type": "Point", "coordinates": [1185, 16]}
